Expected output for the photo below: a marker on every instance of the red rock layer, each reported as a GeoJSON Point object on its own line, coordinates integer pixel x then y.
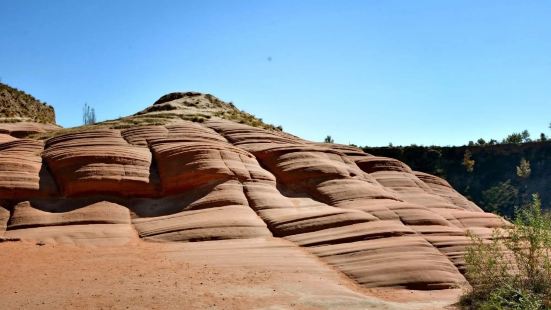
{"type": "Point", "coordinates": [20, 170]}
{"type": "Point", "coordinates": [140, 134]}
{"type": "Point", "coordinates": [221, 213]}
{"type": "Point", "coordinates": [290, 216]}
{"type": "Point", "coordinates": [402, 261]}
{"type": "Point", "coordinates": [101, 223]}
{"type": "Point", "coordinates": [24, 129]}
{"type": "Point", "coordinates": [343, 214]}
{"type": "Point", "coordinates": [5, 137]}
{"type": "Point", "coordinates": [192, 159]}
{"type": "Point", "coordinates": [99, 161]}
{"type": "Point", "coordinates": [26, 216]}
{"type": "Point", "coordinates": [442, 188]}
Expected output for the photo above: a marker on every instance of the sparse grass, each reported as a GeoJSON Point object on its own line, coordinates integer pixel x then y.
{"type": "Point", "coordinates": [11, 120]}
{"type": "Point", "coordinates": [141, 120]}
{"type": "Point", "coordinates": [213, 107]}
{"type": "Point", "coordinates": [155, 115]}
{"type": "Point", "coordinates": [156, 119]}
{"type": "Point", "coordinates": [62, 131]}
{"type": "Point", "coordinates": [245, 118]}
{"type": "Point", "coordinates": [175, 96]}
{"type": "Point", "coordinates": [217, 102]}
{"type": "Point", "coordinates": [159, 107]}
{"type": "Point", "coordinates": [160, 114]}
{"type": "Point", "coordinates": [132, 124]}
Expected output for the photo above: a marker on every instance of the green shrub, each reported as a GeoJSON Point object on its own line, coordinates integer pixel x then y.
{"type": "Point", "coordinates": [513, 269]}
{"type": "Point", "coordinates": [501, 198]}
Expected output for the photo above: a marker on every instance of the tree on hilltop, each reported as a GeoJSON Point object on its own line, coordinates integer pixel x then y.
{"type": "Point", "coordinates": [328, 139]}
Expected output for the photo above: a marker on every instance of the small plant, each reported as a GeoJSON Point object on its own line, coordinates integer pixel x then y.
{"type": "Point", "coordinates": [523, 169]}
{"type": "Point", "coordinates": [329, 139]}
{"type": "Point", "coordinates": [513, 270]}
{"type": "Point", "coordinates": [468, 162]}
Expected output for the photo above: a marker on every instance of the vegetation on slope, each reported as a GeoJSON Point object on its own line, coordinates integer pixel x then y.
{"type": "Point", "coordinates": [16, 106]}
{"type": "Point", "coordinates": [170, 108]}
{"type": "Point", "coordinates": [513, 270]}
{"type": "Point", "coordinates": [488, 174]}
{"type": "Point", "coordinates": [198, 107]}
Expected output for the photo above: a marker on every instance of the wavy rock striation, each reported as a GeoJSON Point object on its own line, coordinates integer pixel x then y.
{"type": "Point", "coordinates": [373, 218]}
{"type": "Point", "coordinates": [101, 223]}
{"type": "Point", "coordinates": [98, 161]}
{"type": "Point", "coordinates": [22, 173]}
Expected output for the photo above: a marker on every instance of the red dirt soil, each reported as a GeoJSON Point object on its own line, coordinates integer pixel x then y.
{"type": "Point", "coordinates": [233, 274]}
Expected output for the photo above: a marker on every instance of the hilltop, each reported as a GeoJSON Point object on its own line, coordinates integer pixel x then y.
{"type": "Point", "coordinates": [188, 106]}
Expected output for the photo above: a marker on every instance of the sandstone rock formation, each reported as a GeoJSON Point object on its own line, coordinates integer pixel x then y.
{"type": "Point", "coordinates": [21, 171]}
{"type": "Point", "coordinates": [158, 176]}
{"type": "Point", "coordinates": [98, 161]}
{"type": "Point", "coordinates": [101, 223]}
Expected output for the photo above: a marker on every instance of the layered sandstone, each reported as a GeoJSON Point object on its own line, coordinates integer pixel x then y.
{"type": "Point", "coordinates": [22, 174]}
{"type": "Point", "coordinates": [98, 161]}
{"type": "Point", "coordinates": [373, 218]}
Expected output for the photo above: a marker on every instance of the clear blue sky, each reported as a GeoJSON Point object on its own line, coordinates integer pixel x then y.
{"type": "Point", "coordinates": [365, 72]}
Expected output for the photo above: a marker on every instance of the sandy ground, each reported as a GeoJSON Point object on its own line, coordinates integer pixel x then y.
{"type": "Point", "coordinates": [234, 274]}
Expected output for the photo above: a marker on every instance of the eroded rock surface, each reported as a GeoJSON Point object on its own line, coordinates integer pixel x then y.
{"type": "Point", "coordinates": [22, 174]}
{"type": "Point", "coordinates": [98, 161]}
{"type": "Point", "coordinates": [101, 223]}
{"type": "Point", "coordinates": [373, 218]}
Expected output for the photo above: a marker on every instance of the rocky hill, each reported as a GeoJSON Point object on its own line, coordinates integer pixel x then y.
{"type": "Point", "coordinates": [16, 106]}
{"type": "Point", "coordinates": [198, 107]}
{"type": "Point", "coordinates": [192, 168]}
{"type": "Point", "coordinates": [22, 115]}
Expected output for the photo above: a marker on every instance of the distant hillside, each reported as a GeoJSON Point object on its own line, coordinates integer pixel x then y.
{"type": "Point", "coordinates": [493, 183]}
{"type": "Point", "coordinates": [16, 106]}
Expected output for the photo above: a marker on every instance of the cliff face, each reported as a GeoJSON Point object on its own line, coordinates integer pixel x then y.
{"type": "Point", "coordinates": [16, 106]}
{"type": "Point", "coordinates": [157, 176]}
